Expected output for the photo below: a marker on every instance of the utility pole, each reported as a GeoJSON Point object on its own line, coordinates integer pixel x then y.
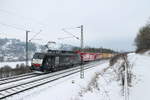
{"type": "Point", "coordinates": [82, 67]}
{"type": "Point", "coordinates": [81, 46]}
{"type": "Point", "coordinates": [27, 48]}
{"type": "Point", "coordinates": [126, 92]}
{"type": "Point", "coordinates": [81, 36]}
{"type": "Point", "coordinates": [126, 89]}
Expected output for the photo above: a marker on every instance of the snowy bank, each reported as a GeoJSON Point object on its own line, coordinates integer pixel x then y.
{"type": "Point", "coordinates": [141, 88]}
{"type": "Point", "coordinates": [102, 82]}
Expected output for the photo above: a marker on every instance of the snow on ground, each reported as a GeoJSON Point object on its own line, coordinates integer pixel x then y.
{"type": "Point", "coordinates": [12, 64]}
{"type": "Point", "coordinates": [68, 88]}
{"type": "Point", "coordinates": [141, 68]}
{"type": "Point", "coordinates": [100, 83]}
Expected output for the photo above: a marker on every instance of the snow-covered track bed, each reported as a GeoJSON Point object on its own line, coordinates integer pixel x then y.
{"type": "Point", "coordinates": [12, 77]}
{"type": "Point", "coordinates": [9, 90]}
{"type": "Point", "coordinates": [17, 78]}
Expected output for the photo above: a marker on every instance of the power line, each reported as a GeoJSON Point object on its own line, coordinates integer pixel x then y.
{"type": "Point", "coordinates": [35, 35]}
{"type": "Point", "coordinates": [70, 34]}
{"type": "Point", "coordinates": [21, 16]}
{"type": "Point", "coordinates": [15, 27]}
{"type": "Point", "coordinates": [11, 26]}
{"type": "Point", "coordinates": [72, 28]}
{"type": "Point", "coordinates": [27, 31]}
{"type": "Point", "coordinates": [64, 30]}
{"type": "Point", "coordinates": [64, 38]}
{"type": "Point", "coordinates": [81, 45]}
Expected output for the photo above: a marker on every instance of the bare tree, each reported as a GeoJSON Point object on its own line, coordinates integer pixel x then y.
{"type": "Point", "coordinates": [142, 41]}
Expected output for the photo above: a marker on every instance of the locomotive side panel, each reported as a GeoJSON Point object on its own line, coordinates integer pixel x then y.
{"type": "Point", "coordinates": [53, 61]}
{"type": "Point", "coordinates": [56, 60]}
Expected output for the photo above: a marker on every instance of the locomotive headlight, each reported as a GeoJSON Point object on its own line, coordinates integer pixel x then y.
{"type": "Point", "coordinates": [37, 61]}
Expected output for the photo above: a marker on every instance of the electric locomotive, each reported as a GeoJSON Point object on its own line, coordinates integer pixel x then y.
{"type": "Point", "coordinates": [54, 60]}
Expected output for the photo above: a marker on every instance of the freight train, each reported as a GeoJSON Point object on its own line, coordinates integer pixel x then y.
{"type": "Point", "coordinates": [55, 60]}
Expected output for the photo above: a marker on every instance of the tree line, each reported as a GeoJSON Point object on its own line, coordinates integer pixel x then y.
{"type": "Point", "coordinates": [142, 40]}
{"type": "Point", "coordinates": [8, 71]}
{"type": "Point", "coordinates": [94, 50]}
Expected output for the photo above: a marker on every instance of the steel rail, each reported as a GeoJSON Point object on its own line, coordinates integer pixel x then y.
{"type": "Point", "coordinates": [18, 79]}
{"type": "Point", "coordinates": [50, 75]}
{"type": "Point", "coordinates": [12, 77]}
{"type": "Point", "coordinates": [40, 83]}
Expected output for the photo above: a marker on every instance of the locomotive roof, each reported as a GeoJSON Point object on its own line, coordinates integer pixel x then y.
{"type": "Point", "coordinates": [56, 53]}
{"type": "Point", "coordinates": [59, 51]}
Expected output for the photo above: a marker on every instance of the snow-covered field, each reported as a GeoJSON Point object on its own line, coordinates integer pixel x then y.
{"type": "Point", "coordinates": [141, 68]}
{"type": "Point", "coordinates": [12, 64]}
{"type": "Point", "coordinates": [99, 83]}
{"type": "Point", "coordinates": [63, 89]}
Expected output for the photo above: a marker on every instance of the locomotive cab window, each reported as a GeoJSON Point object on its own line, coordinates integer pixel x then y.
{"type": "Point", "coordinates": [38, 56]}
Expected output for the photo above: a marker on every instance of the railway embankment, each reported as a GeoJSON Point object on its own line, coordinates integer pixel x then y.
{"type": "Point", "coordinates": [127, 78]}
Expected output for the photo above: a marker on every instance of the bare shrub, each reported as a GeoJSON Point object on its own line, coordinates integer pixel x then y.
{"type": "Point", "coordinates": [7, 71]}
{"type": "Point", "coordinates": [115, 58]}
{"type": "Point", "coordinates": [119, 67]}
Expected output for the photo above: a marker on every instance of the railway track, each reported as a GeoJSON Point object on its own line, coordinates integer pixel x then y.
{"type": "Point", "coordinates": [10, 90]}
{"type": "Point", "coordinates": [17, 78]}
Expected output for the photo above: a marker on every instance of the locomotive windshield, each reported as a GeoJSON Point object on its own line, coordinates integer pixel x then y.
{"type": "Point", "coordinates": [38, 56]}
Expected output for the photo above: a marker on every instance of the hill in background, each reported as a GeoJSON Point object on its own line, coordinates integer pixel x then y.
{"type": "Point", "coordinates": [15, 49]}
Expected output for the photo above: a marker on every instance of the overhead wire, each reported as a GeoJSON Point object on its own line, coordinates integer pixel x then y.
{"type": "Point", "coordinates": [7, 25]}
{"type": "Point", "coordinates": [71, 34]}
{"type": "Point", "coordinates": [15, 27]}
{"type": "Point", "coordinates": [19, 28]}
{"type": "Point", "coordinates": [21, 16]}
{"type": "Point", "coordinates": [36, 35]}
{"type": "Point", "coordinates": [64, 38]}
{"type": "Point", "coordinates": [64, 30]}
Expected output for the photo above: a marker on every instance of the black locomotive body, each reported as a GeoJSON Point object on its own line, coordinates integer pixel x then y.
{"type": "Point", "coordinates": [54, 60]}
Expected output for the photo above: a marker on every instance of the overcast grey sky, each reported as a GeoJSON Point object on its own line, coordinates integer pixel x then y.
{"type": "Point", "coordinates": [107, 23]}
